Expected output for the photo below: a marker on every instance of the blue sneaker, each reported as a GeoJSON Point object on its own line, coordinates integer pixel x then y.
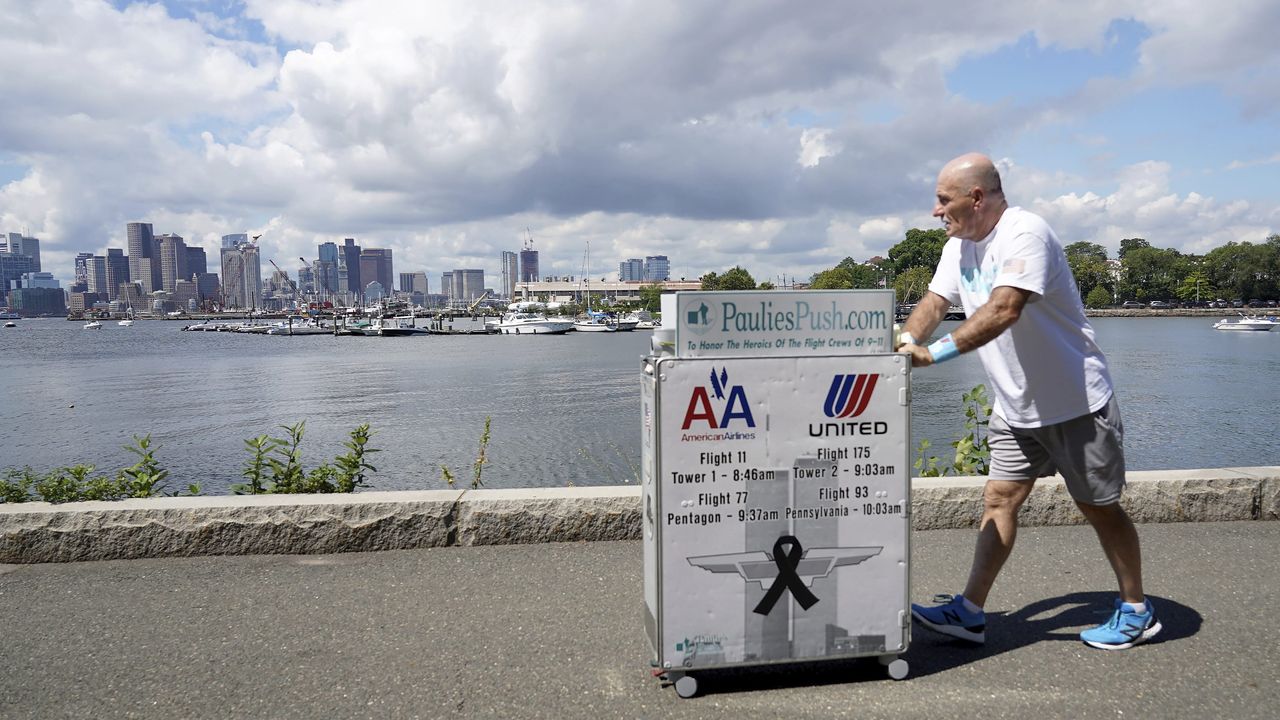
{"type": "Point", "coordinates": [954, 619]}
{"type": "Point", "coordinates": [1125, 629]}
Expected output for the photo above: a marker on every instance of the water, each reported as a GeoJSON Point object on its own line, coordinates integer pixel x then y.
{"type": "Point", "coordinates": [564, 408]}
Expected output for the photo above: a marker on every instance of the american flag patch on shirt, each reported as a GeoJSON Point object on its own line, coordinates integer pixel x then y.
{"type": "Point", "coordinates": [1013, 266]}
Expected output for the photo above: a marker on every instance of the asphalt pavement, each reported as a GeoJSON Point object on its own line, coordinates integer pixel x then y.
{"type": "Point", "coordinates": [555, 631]}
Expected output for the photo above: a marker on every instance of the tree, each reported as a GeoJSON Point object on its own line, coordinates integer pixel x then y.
{"type": "Point", "coordinates": [1129, 244]}
{"type": "Point", "coordinates": [1196, 286]}
{"type": "Point", "coordinates": [921, 248]}
{"type": "Point", "coordinates": [1098, 297]}
{"type": "Point", "coordinates": [1091, 272]}
{"type": "Point", "coordinates": [735, 278]}
{"type": "Point", "coordinates": [848, 275]}
{"type": "Point", "coordinates": [910, 286]}
{"type": "Point", "coordinates": [1148, 273]}
{"type": "Point", "coordinates": [651, 298]}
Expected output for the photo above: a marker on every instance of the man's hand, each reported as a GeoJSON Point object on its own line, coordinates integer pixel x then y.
{"type": "Point", "coordinates": [920, 356]}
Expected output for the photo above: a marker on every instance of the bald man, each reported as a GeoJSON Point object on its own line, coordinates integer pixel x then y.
{"type": "Point", "coordinates": [1054, 410]}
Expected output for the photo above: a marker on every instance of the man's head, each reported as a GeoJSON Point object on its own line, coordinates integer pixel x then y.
{"type": "Point", "coordinates": [970, 199]}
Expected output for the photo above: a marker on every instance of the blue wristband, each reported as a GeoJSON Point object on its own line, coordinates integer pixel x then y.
{"type": "Point", "coordinates": [943, 349]}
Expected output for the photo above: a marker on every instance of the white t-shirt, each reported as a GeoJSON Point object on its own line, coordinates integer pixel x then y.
{"type": "Point", "coordinates": [1046, 368]}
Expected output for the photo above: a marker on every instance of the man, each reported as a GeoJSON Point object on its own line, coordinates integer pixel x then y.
{"type": "Point", "coordinates": [1054, 409]}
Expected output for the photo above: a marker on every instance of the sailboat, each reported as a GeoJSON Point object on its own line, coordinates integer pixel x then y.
{"type": "Point", "coordinates": [128, 319]}
{"type": "Point", "coordinates": [592, 321]}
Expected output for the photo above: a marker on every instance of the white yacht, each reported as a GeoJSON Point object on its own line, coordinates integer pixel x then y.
{"type": "Point", "coordinates": [1246, 323]}
{"type": "Point", "coordinates": [93, 325]}
{"type": "Point", "coordinates": [530, 323]}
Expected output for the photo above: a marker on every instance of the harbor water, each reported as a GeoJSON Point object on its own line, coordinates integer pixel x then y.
{"type": "Point", "coordinates": [563, 410]}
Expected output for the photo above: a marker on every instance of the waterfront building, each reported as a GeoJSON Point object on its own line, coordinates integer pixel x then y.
{"type": "Point", "coordinates": [30, 301]}
{"type": "Point", "coordinates": [13, 262]}
{"type": "Point", "coordinates": [510, 273]}
{"type": "Point", "coordinates": [656, 268]}
{"type": "Point", "coordinates": [446, 284]}
{"type": "Point", "coordinates": [207, 286]}
{"type": "Point", "coordinates": [173, 260]}
{"type": "Point", "coordinates": [351, 260]}
{"type": "Point", "coordinates": [529, 266]}
{"type": "Point", "coordinates": [117, 272]}
{"type": "Point", "coordinates": [37, 280]}
{"type": "Point", "coordinates": [185, 295]}
{"type": "Point", "coordinates": [129, 295]}
{"type": "Point", "coordinates": [631, 270]}
{"type": "Point", "coordinates": [375, 266]}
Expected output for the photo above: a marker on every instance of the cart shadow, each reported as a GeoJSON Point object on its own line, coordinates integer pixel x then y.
{"type": "Point", "coordinates": [1050, 620]}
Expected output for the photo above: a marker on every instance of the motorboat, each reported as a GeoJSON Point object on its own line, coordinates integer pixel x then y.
{"type": "Point", "coordinates": [1247, 323]}
{"type": "Point", "coordinates": [93, 325]}
{"type": "Point", "coordinates": [298, 325]}
{"type": "Point", "coordinates": [10, 323]}
{"type": "Point", "coordinates": [127, 322]}
{"type": "Point", "coordinates": [531, 323]}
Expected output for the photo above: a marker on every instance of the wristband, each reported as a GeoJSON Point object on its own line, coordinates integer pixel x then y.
{"type": "Point", "coordinates": [905, 338]}
{"type": "Point", "coordinates": [943, 349]}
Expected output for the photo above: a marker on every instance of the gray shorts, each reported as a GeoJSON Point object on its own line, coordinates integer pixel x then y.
{"type": "Point", "coordinates": [1088, 451]}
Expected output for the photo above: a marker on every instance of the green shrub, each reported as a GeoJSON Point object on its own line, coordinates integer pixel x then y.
{"type": "Point", "coordinates": [972, 454]}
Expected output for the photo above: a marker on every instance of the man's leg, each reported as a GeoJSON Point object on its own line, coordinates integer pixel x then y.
{"type": "Point", "coordinates": [996, 534]}
{"type": "Point", "coordinates": [1120, 543]}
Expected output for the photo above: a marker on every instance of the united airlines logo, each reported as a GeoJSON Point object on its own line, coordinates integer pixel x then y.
{"type": "Point", "coordinates": [734, 400]}
{"type": "Point", "coordinates": [849, 395]}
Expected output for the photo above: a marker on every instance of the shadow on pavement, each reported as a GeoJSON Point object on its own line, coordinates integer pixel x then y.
{"type": "Point", "coordinates": [1049, 620]}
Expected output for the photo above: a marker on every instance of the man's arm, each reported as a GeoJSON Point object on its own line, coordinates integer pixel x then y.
{"type": "Point", "coordinates": [926, 316]}
{"type": "Point", "coordinates": [1001, 311]}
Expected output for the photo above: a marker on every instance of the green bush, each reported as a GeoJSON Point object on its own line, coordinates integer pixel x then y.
{"type": "Point", "coordinates": [972, 454]}
{"type": "Point", "coordinates": [275, 465]}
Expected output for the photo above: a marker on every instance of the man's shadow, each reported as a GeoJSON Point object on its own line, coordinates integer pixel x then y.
{"type": "Point", "coordinates": [1050, 620]}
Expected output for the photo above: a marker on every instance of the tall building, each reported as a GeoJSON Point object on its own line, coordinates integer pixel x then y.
{"type": "Point", "coordinates": [510, 273]}
{"type": "Point", "coordinates": [197, 263]}
{"type": "Point", "coordinates": [414, 282]}
{"type": "Point", "coordinates": [529, 266]}
{"type": "Point", "coordinates": [657, 268]}
{"type": "Point", "coordinates": [97, 276]}
{"type": "Point", "coordinates": [467, 285]}
{"type": "Point", "coordinates": [351, 258]}
{"type": "Point", "coordinates": [144, 265]}
{"type": "Point", "coordinates": [241, 277]}
{"type": "Point", "coordinates": [446, 284]}
{"type": "Point", "coordinates": [173, 261]}
{"type": "Point", "coordinates": [375, 266]}
{"type": "Point", "coordinates": [631, 270]}
{"type": "Point", "coordinates": [19, 244]}
{"type": "Point", "coordinates": [117, 272]}
{"type": "Point", "coordinates": [82, 268]}
{"type": "Point", "coordinates": [235, 239]}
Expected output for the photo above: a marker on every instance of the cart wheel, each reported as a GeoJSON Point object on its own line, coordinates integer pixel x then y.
{"type": "Point", "coordinates": [686, 686]}
{"type": "Point", "coordinates": [898, 669]}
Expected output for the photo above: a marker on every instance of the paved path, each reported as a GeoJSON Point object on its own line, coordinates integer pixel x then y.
{"type": "Point", "coordinates": [554, 631]}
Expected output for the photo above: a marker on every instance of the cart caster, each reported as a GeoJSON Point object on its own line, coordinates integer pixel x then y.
{"type": "Point", "coordinates": [686, 686]}
{"type": "Point", "coordinates": [898, 668]}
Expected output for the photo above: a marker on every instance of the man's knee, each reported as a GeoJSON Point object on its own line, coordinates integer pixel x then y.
{"type": "Point", "coordinates": [1005, 496]}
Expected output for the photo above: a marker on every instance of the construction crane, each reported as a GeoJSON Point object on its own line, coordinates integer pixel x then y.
{"type": "Point", "coordinates": [472, 307]}
{"type": "Point", "coordinates": [292, 284]}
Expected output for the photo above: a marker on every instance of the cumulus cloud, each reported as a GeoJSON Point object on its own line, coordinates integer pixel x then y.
{"type": "Point", "coordinates": [717, 134]}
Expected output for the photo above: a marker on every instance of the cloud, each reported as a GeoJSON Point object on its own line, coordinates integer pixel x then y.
{"type": "Point", "coordinates": [442, 130]}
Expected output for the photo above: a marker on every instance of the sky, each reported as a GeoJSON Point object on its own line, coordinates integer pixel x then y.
{"type": "Point", "coordinates": [778, 136]}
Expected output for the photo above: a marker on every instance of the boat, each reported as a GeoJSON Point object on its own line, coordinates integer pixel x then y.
{"type": "Point", "coordinates": [10, 323]}
{"type": "Point", "coordinates": [93, 325]}
{"type": "Point", "coordinates": [531, 323]}
{"type": "Point", "coordinates": [1247, 323]}
{"type": "Point", "coordinates": [9, 315]}
{"type": "Point", "coordinates": [592, 321]}
{"type": "Point", "coordinates": [298, 325]}
{"type": "Point", "coordinates": [127, 322]}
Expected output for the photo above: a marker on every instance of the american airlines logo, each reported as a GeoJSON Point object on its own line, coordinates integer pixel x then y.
{"type": "Point", "coordinates": [849, 395]}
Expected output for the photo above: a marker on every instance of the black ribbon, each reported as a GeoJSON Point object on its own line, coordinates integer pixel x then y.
{"type": "Point", "coordinates": [787, 578]}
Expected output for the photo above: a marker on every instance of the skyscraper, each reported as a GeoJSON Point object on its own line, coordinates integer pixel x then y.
{"type": "Point", "coordinates": [235, 239]}
{"type": "Point", "coordinates": [326, 269]}
{"type": "Point", "coordinates": [413, 282]}
{"type": "Point", "coordinates": [19, 244]}
{"type": "Point", "coordinates": [197, 263]}
{"type": "Point", "coordinates": [529, 266]}
{"type": "Point", "coordinates": [375, 266]}
{"type": "Point", "coordinates": [657, 268]}
{"type": "Point", "coordinates": [351, 257]}
{"type": "Point", "coordinates": [82, 268]}
{"type": "Point", "coordinates": [631, 270]}
{"type": "Point", "coordinates": [144, 266]}
{"type": "Point", "coordinates": [117, 272]}
{"type": "Point", "coordinates": [173, 261]}
{"type": "Point", "coordinates": [467, 285]}
{"type": "Point", "coordinates": [510, 273]}
{"type": "Point", "coordinates": [241, 277]}
{"type": "Point", "coordinates": [97, 276]}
